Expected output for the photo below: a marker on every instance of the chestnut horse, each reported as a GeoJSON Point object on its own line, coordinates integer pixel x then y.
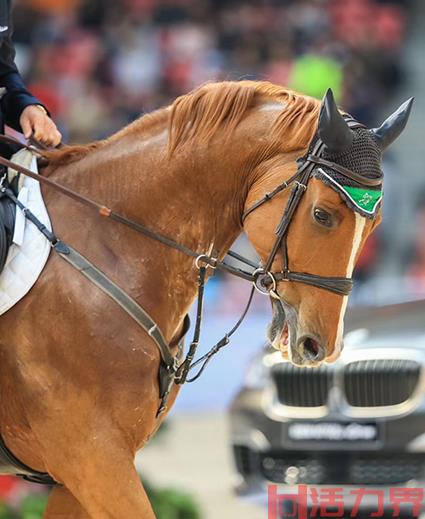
{"type": "Point", "coordinates": [79, 378]}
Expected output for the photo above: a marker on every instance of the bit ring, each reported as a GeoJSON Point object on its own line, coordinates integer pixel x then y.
{"type": "Point", "coordinates": [263, 280]}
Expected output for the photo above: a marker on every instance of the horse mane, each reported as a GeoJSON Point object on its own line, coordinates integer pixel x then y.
{"type": "Point", "coordinates": [212, 108]}
{"type": "Point", "coordinates": [215, 107]}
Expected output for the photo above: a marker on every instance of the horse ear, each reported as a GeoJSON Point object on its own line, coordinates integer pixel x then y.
{"type": "Point", "coordinates": [333, 130]}
{"type": "Point", "coordinates": [391, 128]}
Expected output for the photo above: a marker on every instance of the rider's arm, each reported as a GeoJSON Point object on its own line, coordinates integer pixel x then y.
{"type": "Point", "coordinates": [17, 97]}
{"type": "Point", "coordinates": [21, 110]}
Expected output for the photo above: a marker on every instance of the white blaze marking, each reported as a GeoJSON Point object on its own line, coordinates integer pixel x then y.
{"type": "Point", "coordinates": [357, 239]}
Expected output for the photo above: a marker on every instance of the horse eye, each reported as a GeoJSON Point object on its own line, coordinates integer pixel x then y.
{"type": "Point", "coordinates": [323, 217]}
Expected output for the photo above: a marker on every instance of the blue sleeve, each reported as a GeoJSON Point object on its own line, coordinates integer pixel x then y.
{"type": "Point", "coordinates": [17, 96]}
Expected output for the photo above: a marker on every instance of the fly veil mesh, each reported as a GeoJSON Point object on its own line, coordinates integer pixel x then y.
{"type": "Point", "coordinates": [363, 157]}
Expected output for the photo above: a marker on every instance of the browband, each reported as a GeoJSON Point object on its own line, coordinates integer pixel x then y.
{"type": "Point", "coordinates": [372, 182]}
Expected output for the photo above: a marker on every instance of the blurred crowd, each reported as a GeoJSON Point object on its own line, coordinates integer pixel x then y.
{"type": "Point", "coordinates": [99, 64]}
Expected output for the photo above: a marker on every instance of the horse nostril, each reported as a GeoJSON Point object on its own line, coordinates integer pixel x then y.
{"type": "Point", "coordinates": [311, 349]}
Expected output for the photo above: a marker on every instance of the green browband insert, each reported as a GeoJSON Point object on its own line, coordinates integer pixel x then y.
{"type": "Point", "coordinates": [365, 199]}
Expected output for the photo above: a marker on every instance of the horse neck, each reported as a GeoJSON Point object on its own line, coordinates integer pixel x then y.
{"type": "Point", "coordinates": [196, 198]}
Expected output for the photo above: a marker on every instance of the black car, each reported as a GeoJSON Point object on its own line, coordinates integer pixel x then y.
{"type": "Point", "coordinates": [356, 424]}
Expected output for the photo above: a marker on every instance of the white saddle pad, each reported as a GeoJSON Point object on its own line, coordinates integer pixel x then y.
{"type": "Point", "coordinates": [30, 250]}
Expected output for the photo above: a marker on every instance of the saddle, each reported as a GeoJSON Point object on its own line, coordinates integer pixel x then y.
{"type": "Point", "coordinates": [7, 224]}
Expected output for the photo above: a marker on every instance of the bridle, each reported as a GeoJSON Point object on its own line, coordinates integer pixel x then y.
{"type": "Point", "coordinates": [263, 278]}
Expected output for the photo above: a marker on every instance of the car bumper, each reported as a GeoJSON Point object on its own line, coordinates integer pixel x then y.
{"type": "Point", "coordinates": [264, 450]}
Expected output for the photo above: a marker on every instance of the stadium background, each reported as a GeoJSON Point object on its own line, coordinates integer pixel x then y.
{"type": "Point", "coordinates": [99, 64]}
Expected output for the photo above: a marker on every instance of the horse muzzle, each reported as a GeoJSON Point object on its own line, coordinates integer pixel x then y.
{"type": "Point", "coordinates": [302, 347]}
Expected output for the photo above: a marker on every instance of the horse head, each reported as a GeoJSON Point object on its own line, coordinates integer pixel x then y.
{"type": "Point", "coordinates": [338, 207]}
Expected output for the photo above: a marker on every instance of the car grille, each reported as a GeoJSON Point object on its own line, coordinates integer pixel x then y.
{"type": "Point", "coordinates": [366, 383]}
{"type": "Point", "coordinates": [387, 470]}
{"type": "Point", "coordinates": [380, 382]}
{"type": "Point", "coordinates": [312, 468]}
{"type": "Point", "coordinates": [301, 387]}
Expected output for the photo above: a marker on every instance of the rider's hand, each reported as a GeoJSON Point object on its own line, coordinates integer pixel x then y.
{"type": "Point", "coordinates": [35, 122]}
